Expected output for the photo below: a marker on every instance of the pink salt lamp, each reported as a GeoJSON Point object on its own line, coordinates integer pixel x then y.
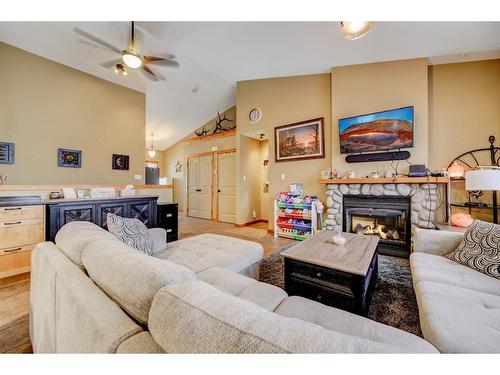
{"type": "Point", "coordinates": [456, 170]}
{"type": "Point", "coordinates": [461, 220]}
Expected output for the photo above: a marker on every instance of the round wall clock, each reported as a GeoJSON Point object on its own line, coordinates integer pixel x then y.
{"type": "Point", "coordinates": [255, 115]}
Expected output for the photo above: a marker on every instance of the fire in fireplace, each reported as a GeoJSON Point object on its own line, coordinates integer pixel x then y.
{"type": "Point", "coordinates": [382, 216]}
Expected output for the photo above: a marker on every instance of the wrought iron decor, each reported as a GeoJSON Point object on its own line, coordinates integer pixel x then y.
{"type": "Point", "coordinates": [471, 159]}
{"type": "Point", "coordinates": [6, 153]}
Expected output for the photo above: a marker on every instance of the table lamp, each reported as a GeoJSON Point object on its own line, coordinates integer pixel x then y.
{"type": "Point", "coordinates": [485, 178]}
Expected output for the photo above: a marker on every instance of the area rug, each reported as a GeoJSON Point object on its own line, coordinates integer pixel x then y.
{"type": "Point", "coordinates": [393, 302]}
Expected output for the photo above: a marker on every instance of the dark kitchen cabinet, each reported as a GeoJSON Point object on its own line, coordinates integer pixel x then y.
{"type": "Point", "coordinates": [61, 212]}
{"type": "Point", "coordinates": [168, 219]}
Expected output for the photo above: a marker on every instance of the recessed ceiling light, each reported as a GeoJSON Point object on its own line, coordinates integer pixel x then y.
{"type": "Point", "coordinates": [352, 30]}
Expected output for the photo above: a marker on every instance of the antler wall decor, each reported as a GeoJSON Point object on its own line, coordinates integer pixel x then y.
{"type": "Point", "coordinates": [219, 126]}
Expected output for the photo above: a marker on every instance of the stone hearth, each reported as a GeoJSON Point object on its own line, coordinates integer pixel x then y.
{"type": "Point", "coordinates": [424, 200]}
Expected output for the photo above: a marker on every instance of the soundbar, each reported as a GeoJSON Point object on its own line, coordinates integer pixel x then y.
{"type": "Point", "coordinates": [379, 156]}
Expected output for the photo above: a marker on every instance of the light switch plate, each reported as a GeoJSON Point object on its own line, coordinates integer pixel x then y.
{"type": "Point", "coordinates": [137, 177]}
{"type": "Point", "coordinates": [244, 178]}
{"type": "Point", "coordinates": [283, 176]}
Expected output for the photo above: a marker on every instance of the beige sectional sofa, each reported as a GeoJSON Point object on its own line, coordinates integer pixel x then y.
{"type": "Point", "coordinates": [90, 293]}
{"type": "Point", "coordinates": [459, 307]}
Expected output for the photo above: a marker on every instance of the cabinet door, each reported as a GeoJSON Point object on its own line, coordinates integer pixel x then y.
{"type": "Point", "coordinates": [193, 187]}
{"type": "Point", "coordinates": [143, 210]}
{"type": "Point", "coordinates": [118, 208]}
{"type": "Point", "coordinates": [77, 212]}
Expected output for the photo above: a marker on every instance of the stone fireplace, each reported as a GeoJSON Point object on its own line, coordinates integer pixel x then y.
{"type": "Point", "coordinates": [422, 203]}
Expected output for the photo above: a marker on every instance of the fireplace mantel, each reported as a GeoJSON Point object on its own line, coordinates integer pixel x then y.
{"type": "Point", "coordinates": [399, 180]}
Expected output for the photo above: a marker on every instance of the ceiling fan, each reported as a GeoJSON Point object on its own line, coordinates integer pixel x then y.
{"type": "Point", "coordinates": [130, 57]}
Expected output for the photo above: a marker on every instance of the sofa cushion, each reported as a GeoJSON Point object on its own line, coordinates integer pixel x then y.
{"type": "Point", "coordinates": [87, 321]}
{"type": "Point", "coordinates": [480, 248]}
{"type": "Point", "coordinates": [129, 277]}
{"type": "Point", "coordinates": [458, 320]}
{"type": "Point", "coordinates": [208, 250]}
{"type": "Point", "coordinates": [132, 232]}
{"type": "Point", "coordinates": [350, 324]}
{"type": "Point", "coordinates": [73, 237]}
{"type": "Point", "coordinates": [194, 317]}
{"type": "Point", "coordinates": [265, 295]}
{"type": "Point", "coordinates": [427, 267]}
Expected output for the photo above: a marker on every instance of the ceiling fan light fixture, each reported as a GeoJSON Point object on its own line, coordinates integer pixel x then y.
{"type": "Point", "coordinates": [352, 30]}
{"type": "Point", "coordinates": [131, 59]}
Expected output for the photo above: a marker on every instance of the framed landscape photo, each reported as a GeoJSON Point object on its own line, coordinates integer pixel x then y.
{"type": "Point", "coordinates": [300, 141]}
{"type": "Point", "coordinates": [69, 158]}
{"type": "Point", "coordinates": [120, 162]}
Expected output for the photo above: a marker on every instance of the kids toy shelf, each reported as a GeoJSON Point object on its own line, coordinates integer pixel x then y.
{"type": "Point", "coordinates": [295, 216]}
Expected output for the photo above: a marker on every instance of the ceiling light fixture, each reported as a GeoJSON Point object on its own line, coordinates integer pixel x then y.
{"type": "Point", "coordinates": [151, 151]}
{"type": "Point", "coordinates": [131, 59]}
{"type": "Point", "coordinates": [352, 30]}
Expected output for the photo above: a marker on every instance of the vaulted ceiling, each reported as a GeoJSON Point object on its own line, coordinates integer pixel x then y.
{"type": "Point", "coordinates": [213, 56]}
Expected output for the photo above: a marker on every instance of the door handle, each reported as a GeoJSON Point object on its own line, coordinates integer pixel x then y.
{"type": "Point", "coordinates": [198, 189]}
{"type": "Point", "coordinates": [13, 223]}
{"type": "Point", "coordinates": [218, 190]}
{"type": "Point", "coordinates": [12, 250]}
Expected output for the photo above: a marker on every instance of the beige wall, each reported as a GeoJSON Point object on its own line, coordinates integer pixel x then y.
{"type": "Point", "coordinates": [464, 102]}
{"type": "Point", "coordinates": [248, 201]}
{"type": "Point", "coordinates": [282, 101]}
{"type": "Point", "coordinates": [172, 155]}
{"type": "Point", "coordinates": [45, 106]}
{"type": "Point", "coordinates": [366, 88]}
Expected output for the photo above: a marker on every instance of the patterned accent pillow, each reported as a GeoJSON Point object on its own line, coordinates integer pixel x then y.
{"type": "Point", "coordinates": [480, 248]}
{"type": "Point", "coordinates": [131, 232]}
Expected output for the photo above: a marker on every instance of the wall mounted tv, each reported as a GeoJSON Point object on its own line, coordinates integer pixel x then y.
{"type": "Point", "coordinates": [379, 131]}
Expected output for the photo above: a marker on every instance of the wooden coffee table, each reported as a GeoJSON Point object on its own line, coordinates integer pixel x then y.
{"type": "Point", "coordinates": [339, 276]}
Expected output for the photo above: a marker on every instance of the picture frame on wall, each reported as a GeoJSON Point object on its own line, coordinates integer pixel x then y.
{"type": "Point", "coordinates": [67, 158]}
{"type": "Point", "coordinates": [6, 153]}
{"type": "Point", "coordinates": [300, 141]}
{"type": "Point", "coordinates": [120, 162]}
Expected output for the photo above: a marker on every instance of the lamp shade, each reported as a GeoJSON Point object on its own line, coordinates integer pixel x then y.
{"type": "Point", "coordinates": [482, 179]}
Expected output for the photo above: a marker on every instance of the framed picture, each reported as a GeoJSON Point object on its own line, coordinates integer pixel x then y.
{"type": "Point", "coordinates": [120, 162]}
{"type": "Point", "coordinates": [69, 158]}
{"type": "Point", "coordinates": [300, 141]}
{"type": "Point", "coordinates": [6, 153]}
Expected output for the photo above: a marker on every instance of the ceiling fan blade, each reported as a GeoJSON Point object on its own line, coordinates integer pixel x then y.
{"type": "Point", "coordinates": [96, 40]}
{"type": "Point", "coordinates": [160, 56]}
{"type": "Point", "coordinates": [146, 70]}
{"type": "Point", "coordinates": [161, 61]}
{"type": "Point", "coordinates": [111, 63]}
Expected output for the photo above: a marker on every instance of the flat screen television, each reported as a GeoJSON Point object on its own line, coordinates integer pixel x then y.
{"type": "Point", "coordinates": [379, 131]}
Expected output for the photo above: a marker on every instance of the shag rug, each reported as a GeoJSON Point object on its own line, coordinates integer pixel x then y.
{"type": "Point", "coordinates": [393, 301]}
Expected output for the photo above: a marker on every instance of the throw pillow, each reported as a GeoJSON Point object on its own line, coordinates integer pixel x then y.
{"type": "Point", "coordinates": [131, 232]}
{"type": "Point", "coordinates": [480, 248]}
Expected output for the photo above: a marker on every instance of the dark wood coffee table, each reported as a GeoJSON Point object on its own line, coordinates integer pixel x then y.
{"type": "Point", "coordinates": [339, 276]}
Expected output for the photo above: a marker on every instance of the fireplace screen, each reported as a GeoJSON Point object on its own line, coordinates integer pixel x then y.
{"type": "Point", "coordinates": [389, 225]}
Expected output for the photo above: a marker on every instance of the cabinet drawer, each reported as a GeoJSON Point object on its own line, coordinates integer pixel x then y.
{"type": "Point", "coordinates": [21, 232]}
{"type": "Point", "coordinates": [322, 274]}
{"type": "Point", "coordinates": [303, 288]}
{"type": "Point", "coordinates": [15, 260]}
{"type": "Point", "coordinates": [21, 213]}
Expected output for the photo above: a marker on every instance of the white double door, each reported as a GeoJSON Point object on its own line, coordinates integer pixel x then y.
{"type": "Point", "coordinates": [200, 170]}
{"type": "Point", "coordinates": [201, 189]}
